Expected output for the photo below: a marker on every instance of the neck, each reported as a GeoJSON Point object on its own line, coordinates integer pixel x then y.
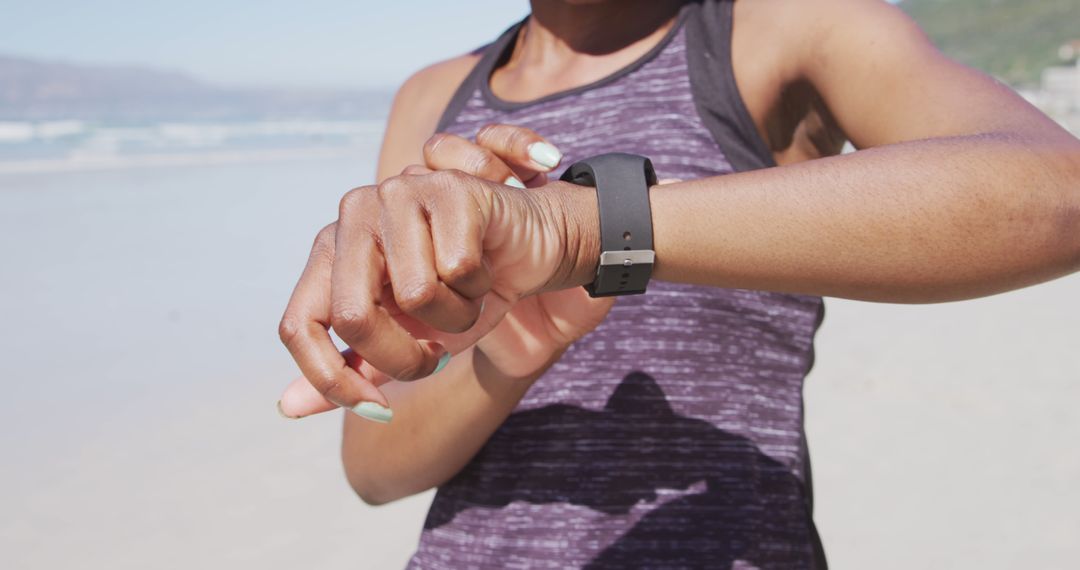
{"type": "Point", "coordinates": [596, 28]}
{"type": "Point", "coordinates": [565, 44]}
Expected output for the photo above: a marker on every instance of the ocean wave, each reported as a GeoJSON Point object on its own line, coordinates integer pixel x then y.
{"type": "Point", "coordinates": [92, 161]}
{"type": "Point", "coordinates": [76, 145]}
{"type": "Point", "coordinates": [21, 132]}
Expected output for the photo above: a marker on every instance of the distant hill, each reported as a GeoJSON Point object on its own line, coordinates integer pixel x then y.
{"type": "Point", "coordinates": [41, 90]}
{"type": "Point", "coordinates": [1012, 39]}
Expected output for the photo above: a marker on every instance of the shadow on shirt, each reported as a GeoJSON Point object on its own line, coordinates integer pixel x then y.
{"type": "Point", "coordinates": [711, 497]}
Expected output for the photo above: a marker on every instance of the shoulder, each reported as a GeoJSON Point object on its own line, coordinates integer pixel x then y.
{"type": "Point", "coordinates": [438, 80]}
{"type": "Point", "coordinates": [788, 54]}
{"type": "Point", "coordinates": [418, 105]}
{"type": "Point", "coordinates": [838, 13]}
{"type": "Point", "coordinates": [830, 43]}
{"type": "Point", "coordinates": [804, 30]}
{"type": "Point", "coordinates": [426, 93]}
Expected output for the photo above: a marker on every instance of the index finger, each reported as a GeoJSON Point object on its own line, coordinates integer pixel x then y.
{"type": "Point", "coordinates": [445, 151]}
{"type": "Point", "coordinates": [520, 147]}
{"type": "Point", "coordinates": [300, 399]}
{"type": "Point", "coordinates": [304, 330]}
{"type": "Point", "coordinates": [357, 313]}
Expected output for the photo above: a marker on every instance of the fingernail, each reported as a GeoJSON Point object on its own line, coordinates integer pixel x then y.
{"type": "Point", "coordinates": [544, 154]}
{"type": "Point", "coordinates": [373, 412]}
{"type": "Point", "coordinates": [513, 181]}
{"type": "Point", "coordinates": [443, 361]}
{"type": "Point", "coordinates": [281, 412]}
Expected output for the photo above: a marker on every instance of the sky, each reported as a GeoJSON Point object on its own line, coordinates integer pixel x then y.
{"type": "Point", "coordinates": [317, 43]}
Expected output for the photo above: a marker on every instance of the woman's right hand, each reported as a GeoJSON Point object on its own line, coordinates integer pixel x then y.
{"type": "Point", "coordinates": [539, 327]}
{"type": "Point", "coordinates": [527, 335]}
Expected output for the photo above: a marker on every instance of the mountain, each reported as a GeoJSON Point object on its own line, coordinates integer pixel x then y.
{"type": "Point", "coordinates": [1012, 39]}
{"type": "Point", "coordinates": [40, 90]}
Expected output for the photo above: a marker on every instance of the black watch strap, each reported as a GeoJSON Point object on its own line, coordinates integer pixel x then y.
{"type": "Point", "coordinates": [622, 184]}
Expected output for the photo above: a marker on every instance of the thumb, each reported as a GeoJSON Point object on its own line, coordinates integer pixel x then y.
{"type": "Point", "coordinates": [301, 399]}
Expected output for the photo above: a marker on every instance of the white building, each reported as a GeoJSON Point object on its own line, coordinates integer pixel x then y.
{"type": "Point", "coordinates": [1060, 94]}
{"type": "Point", "coordinates": [1061, 89]}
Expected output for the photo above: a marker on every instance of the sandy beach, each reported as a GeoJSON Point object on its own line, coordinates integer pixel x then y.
{"type": "Point", "coordinates": [141, 367]}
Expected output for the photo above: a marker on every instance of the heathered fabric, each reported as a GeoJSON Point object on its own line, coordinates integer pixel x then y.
{"type": "Point", "coordinates": [672, 435]}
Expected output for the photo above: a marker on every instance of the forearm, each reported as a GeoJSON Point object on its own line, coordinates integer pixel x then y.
{"type": "Point", "coordinates": [925, 221]}
{"type": "Point", "coordinates": [440, 422]}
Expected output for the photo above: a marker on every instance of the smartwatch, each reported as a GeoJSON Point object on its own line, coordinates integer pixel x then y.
{"type": "Point", "coordinates": [622, 184]}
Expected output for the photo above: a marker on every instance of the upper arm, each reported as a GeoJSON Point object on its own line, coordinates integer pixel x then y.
{"type": "Point", "coordinates": [884, 81]}
{"type": "Point", "coordinates": [415, 113]}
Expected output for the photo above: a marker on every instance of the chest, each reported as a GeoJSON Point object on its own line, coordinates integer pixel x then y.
{"type": "Point", "coordinates": [649, 110]}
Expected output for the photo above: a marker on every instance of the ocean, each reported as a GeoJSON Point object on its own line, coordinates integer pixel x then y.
{"type": "Point", "coordinates": [145, 269]}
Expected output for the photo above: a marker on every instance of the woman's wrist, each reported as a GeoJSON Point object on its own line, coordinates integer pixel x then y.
{"type": "Point", "coordinates": [579, 215]}
{"type": "Point", "coordinates": [486, 368]}
{"type": "Point", "coordinates": [575, 210]}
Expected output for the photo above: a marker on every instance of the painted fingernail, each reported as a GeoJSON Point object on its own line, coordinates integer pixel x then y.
{"type": "Point", "coordinates": [443, 361]}
{"type": "Point", "coordinates": [544, 154]}
{"type": "Point", "coordinates": [513, 181]}
{"type": "Point", "coordinates": [373, 412]}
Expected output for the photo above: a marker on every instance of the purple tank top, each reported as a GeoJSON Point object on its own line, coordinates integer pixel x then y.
{"type": "Point", "coordinates": [672, 435]}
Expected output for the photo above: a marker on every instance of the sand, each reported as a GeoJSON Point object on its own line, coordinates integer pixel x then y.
{"type": "Point", "coordinates": [141, 369]}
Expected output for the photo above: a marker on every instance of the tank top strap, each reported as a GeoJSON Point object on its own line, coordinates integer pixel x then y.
{"type": "Point", "coordinates": [712, 81]}
{"type": "Point", "coordinates": [481, 72]}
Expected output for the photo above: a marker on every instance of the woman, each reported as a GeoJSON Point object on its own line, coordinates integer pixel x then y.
{"type": "Point", "coordinates": [664, 430]}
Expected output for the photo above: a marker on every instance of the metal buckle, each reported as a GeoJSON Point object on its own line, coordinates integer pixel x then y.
{"type": "Point", "coordinates": [623, 272]}
{"type": "Point", "coordinates": [627, 258]}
